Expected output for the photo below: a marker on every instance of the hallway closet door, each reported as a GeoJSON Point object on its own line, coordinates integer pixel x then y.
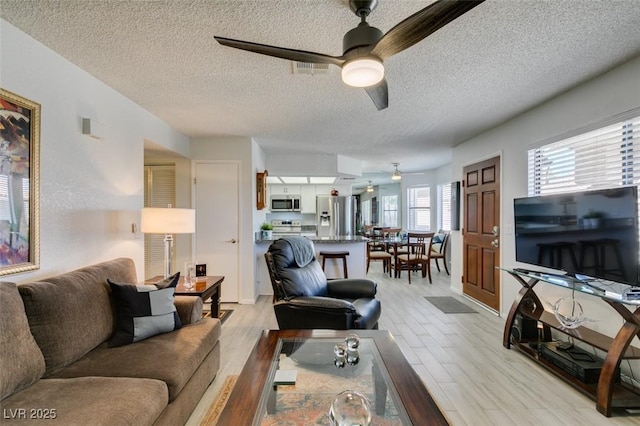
{"type": "Point", "coordinates": [217, 204]}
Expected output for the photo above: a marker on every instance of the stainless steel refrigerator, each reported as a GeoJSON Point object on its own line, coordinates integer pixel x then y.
{"type": "Point", "coordinates": [336, 215]}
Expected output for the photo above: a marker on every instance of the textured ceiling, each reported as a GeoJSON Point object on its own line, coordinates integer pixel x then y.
{"type": "Point", "coordinates": [498, 60]}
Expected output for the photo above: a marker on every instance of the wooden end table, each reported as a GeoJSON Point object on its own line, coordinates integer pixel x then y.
{"type": "Point", "coordinates": [206, 288]}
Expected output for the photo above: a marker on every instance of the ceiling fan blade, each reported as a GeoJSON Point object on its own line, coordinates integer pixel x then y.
{"type": "Point", "coordinates": [281, 52]}
{"type": "Point", "coordinates": [420, 25]}
{"type": "Point", "coordinates": [379, 94]}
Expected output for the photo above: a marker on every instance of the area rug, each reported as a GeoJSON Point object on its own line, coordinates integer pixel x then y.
{"type": "Point", "coordinates": [224, 314]}
{"type": "Point", "coordinates": [306, 403]}
{"type": "Point", "coordinates": [211, 418]}
{"type": "Point", "coordinates": [450, 305]}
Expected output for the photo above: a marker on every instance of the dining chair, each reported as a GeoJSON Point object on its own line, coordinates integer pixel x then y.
{"type": "Point", "coordinates": [417, 256]}
{"type": "Point", "coordinates": [438, 250]}
{"type": "Point", "coordinates": [379, 255]}
{"type": "Point", "coordinates": [377, 239]}
{"type": "Point", "coordinates": [393, 235]}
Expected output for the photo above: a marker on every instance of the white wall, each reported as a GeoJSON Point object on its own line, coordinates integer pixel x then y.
{"type": "Point", "coordinates": [90, 190]}
{"type": "Point", "coordinates": [261, 283]}
{"type": "Point", "coordinates": [612, 93]}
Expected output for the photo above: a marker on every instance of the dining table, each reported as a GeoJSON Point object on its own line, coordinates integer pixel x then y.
{"type": "Point", "coordinates": [395, 243]}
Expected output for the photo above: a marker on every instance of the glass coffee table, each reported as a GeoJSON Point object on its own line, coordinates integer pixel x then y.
{"type": "Point", "coordinates": [266, 394]}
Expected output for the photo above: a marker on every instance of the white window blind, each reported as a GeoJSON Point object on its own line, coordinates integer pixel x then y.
{"type": "Point", "coordinates": [601, 158]}
{"type": "Point", "coordinates": [444, 207]}
{"type": "Point", "coordinates": [390, 210]}
{"type": "Point", "coordinates": [419, 208]}
{"type": "Point", "coordinates": [159, 191]}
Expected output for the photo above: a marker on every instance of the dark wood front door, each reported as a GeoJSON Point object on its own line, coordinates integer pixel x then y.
{"type": "Point", "coordinates": [481, 232]}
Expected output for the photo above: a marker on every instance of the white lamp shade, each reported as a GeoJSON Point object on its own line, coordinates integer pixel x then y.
{"type": "Point", "coordinates": [168, 221]}
{"type": "Point", "coordinates": [363, 72]}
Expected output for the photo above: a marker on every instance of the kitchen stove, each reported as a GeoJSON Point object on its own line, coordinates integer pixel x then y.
{"type": "Point", "coordinates": [283, 228]}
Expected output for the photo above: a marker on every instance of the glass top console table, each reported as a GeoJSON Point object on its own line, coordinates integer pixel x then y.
{"type": "Point", "coordinates": [608, 392]}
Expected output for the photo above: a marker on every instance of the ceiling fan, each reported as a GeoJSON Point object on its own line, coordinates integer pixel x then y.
{"type": "Point", "coordinates": [396, 174]}
{"type": "Point", "coordinates": [366, 47]}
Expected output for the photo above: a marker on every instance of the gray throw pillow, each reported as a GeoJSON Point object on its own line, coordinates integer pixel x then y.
{"type": "Point", "coordinates": [143, 311]}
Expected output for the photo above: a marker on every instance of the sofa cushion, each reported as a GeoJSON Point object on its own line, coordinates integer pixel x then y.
{"type": "Point", "coordinates": [87, 401]}
{"type": "Point", "coordinates": [170, 357]}
{"type": "Point", "coordinates": [70, 314]}
{"type": "Point", "coordinates": [21, 360]}
{"type": "Point", "coordinates": [143, 311]}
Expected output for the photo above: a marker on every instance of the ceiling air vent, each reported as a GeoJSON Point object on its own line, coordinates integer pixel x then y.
{"type": "Point", "coordinates": [309, 69]}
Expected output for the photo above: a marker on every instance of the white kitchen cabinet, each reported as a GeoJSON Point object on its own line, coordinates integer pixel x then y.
{"type": "Point", "coordinates": [277, 189]}
{"type": "Point", "coordinates": [307, 198]}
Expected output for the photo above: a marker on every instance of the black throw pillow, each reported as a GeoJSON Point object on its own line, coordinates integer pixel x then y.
{"type": "Point", "coordinates": [143, 311]}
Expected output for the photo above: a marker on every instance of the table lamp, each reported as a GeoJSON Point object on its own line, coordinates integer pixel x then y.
{"type": "Point", "coordinates": [168, 221]}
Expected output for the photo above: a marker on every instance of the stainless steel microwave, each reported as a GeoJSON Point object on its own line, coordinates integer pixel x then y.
{"type": "Point", "coordinates": [285, 203]}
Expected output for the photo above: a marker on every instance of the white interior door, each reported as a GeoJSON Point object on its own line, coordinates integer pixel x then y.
{"type": "Point", "coordinates": [217, 188]}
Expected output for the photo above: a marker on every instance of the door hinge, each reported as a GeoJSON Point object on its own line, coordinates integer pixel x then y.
{"type": "Point", "coordinates": [462, 279]}
{"type": "Point", "coordinates": [194, 181]}
{"type": "Point", "coordinates": [463, 183]}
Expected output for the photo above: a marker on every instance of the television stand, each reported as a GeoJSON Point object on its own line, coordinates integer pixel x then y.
{"type": "Point", "coordinates": [608, 393]}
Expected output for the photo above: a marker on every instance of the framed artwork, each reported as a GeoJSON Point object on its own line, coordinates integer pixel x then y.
{"type": "Point", "coordinates": [201, 270]}
{"type": "Point", "coordinates": [261, 190]}
{"type": "Point", "coordinates": [19, 184]}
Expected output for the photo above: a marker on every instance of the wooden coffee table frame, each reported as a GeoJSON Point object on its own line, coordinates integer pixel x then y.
{"type": "Point", "coordinates": [245, 399]}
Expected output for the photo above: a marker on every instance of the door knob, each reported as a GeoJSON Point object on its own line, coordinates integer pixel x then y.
{"type": "Point", "coordinates": [495, 243]}
{"type": "Point", "coordinates": [232, 241]}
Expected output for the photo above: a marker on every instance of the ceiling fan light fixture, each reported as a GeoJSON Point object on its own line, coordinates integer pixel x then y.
{"type": "Point", "coordinates": [363, 72]}
{"type": "Point", "coordinates": [396, 175]}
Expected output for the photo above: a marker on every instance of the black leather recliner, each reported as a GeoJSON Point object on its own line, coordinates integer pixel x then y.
{"type": "Point", "coordinates": [305, 299]}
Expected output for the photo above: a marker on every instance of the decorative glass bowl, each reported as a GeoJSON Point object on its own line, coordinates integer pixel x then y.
{"type": "Point", "coordinates": [350, 408]}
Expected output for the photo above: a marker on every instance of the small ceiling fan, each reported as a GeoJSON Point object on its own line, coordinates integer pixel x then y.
{"type": "Point", "coordinates": [396, 174]}
{"type": "Point", "coordinates": [365, 48]}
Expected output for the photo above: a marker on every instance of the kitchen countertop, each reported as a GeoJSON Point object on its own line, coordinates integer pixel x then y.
{"type": "Point", "coordinates": [328, 240]}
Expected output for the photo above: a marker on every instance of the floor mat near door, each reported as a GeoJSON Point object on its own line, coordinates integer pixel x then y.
{"type": "Point", "coordinates": [450, 305]}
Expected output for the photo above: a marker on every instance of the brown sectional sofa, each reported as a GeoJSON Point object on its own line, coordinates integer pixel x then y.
{"type": "Point", "coordinates": [55, 363]}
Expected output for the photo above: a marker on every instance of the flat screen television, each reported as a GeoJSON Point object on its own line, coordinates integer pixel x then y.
{"type": "Point", "coordinates": [589, 235]}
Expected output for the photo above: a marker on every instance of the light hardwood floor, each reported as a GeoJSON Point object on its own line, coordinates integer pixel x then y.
{"type": "Point", "coordinates": [460, 357]}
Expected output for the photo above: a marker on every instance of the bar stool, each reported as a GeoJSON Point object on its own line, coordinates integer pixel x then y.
{"type": "Point", "coordinates": [556, 253]}
{"type": "Point", "coordinates": [336, 255]}
{"type": "Point", "coordinates": [598, 250]}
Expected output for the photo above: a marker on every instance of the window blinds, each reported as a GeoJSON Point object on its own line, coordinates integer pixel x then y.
{"type": "Point", "coordinates": [601, 158]}
{"type": "Point", "coordinates": [419, 211]}
{"type": "Point", "coordinates": [159, 191]}
{"type": "Point", "coordinates": [444, 207]}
